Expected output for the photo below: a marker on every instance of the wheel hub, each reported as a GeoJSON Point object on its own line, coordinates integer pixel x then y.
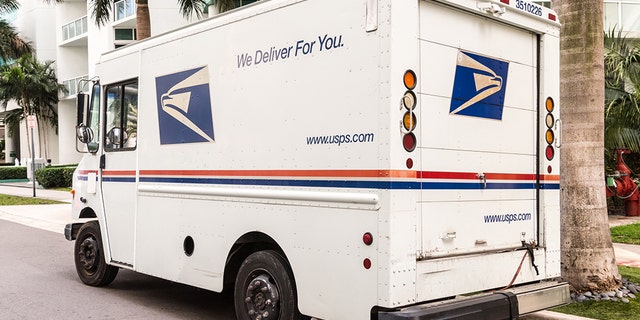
{"type": "Point", "coordinates": [89, 253]}
{"type": "Point", "coordinates": [262, 299]}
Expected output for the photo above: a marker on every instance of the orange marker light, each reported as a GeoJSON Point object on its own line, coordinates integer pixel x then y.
{"type": "Point", "coordinates": [549, 136]}
{"type": "Point", "coordinates": [549, 104]}
{"type": "Point", "coordinates": [410, 79]}
{"type": "Point", "coordinates": [409, 121]}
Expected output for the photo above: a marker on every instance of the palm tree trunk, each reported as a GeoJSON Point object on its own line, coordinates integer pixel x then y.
{"type": "Point", "coordinates": [39, 136]}
{"type": "Point", "coordinates": [46, 143]}
{"type": "Point", "coordinates": [588, 260]}
{"type": "Point", "coordinates": [26, 127]}
{"type": "Point", "coordinates": [43, 138]}
{"type": "Point", "coordinates": [143, 20]}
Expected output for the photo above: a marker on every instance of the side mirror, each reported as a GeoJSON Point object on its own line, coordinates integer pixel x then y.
{"type": "Point", "coordinates": [82, 105]}
{"type": "Point", "coordinates": [84, 133]}
{"type": "Point", "coordinates": [116, 137]}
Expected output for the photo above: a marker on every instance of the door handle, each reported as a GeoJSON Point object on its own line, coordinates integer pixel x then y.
{"type": "Point", "coordinates": [483, 180]}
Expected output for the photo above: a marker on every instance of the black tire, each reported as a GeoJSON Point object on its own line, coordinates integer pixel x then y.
{"type": "Point", "coordinates": [264, 287]}
{"type": "Point", "coordinates": [88, 254]}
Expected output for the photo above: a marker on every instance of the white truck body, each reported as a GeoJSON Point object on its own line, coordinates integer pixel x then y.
{"type": "Point", "coordinates": [279, 126]}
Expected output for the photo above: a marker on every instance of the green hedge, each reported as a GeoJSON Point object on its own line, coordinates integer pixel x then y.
{"type": "Point", "coordinates": [55, 177]}
{"type": "Point", "coordinates": [13, 173]}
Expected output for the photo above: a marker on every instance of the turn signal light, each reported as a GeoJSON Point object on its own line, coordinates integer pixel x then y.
{"type": "Point", "coordinates": [410, 79]}
{"type": "Point", "coordinates": [409, 121]}
{"type": "Point", "coordinates": [549, 136]}
{"type": "Point", "coordinates": [549, 104]}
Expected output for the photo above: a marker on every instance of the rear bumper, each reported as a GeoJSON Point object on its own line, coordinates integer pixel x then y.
{"type": "Point", "coordinates": [508, 304]}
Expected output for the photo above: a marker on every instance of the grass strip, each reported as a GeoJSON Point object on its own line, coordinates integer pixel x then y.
{"type": "Point", "coordinates": [608, 310]}
{"type": "Point", "coordinates": [629, 233]}
{"type": "Point", "coordinates": [6, 200]}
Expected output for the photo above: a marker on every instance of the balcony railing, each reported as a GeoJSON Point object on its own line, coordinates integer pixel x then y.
{"type": "Point", "coordinates": [74, 28]}
{"type": "Point", "coordinates": [125, 9]}
{"type": "Point", "coordinates": [72, 85]}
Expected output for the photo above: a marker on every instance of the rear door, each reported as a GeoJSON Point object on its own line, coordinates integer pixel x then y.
{"type": "Point", "coordinates": [479, 98]}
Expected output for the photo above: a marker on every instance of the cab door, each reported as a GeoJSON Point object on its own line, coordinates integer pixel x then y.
{"type": "Point", "coordinates": [118, 168]}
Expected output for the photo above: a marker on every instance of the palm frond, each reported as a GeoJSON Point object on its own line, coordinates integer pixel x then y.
{"type": "Point", "coordinates": [101, 11]}
{"type": "Point", "coordinates": [189, 8]}
{"type": "Point", "coordinates": [7, 6]}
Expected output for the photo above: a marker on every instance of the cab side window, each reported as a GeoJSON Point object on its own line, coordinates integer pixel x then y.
{"type": "Point", "coordinates": [122, 116]}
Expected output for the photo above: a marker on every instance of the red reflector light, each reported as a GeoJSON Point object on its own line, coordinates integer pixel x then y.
{"type": "Point", "coordinates": [552, 17]}
{"type": "Point", "coordinates": [505, 1]}
{"type": "Point", "coordinates": [549, 152]}
{"type": "Point", "coordinates": [409, 141]}
{"type": "Point", "coordinates": [409, 163]}
{"type": "Point", "coordinates": [367, 238]}
{"type": "Point", "coordinates": [366, 263]}
{"type": "Point", "coordinates": [549, 169]}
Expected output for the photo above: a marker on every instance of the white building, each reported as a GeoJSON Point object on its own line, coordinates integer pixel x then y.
{"type": "Point", "coordinates": [67, 34]}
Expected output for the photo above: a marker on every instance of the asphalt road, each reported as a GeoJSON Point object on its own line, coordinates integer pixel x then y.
{"type": "Point", "coordinates": [38, 281]}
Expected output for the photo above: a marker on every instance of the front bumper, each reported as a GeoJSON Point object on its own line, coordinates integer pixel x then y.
{"type": "Point", "coordinates": [507, 304]}
{"type": "Point", "coordinates": [71, 230]}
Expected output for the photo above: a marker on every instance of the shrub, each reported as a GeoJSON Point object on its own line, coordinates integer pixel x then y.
{"type": "Point", "coordinates": [13, 173]}
{"type": "Point", "coordinates": [55, 177]}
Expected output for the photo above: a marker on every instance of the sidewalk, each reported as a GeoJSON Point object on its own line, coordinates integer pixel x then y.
{"type": "Point", "coordinates": [54, 217]}
{"type": "Point", "coordinates": [51, 217]}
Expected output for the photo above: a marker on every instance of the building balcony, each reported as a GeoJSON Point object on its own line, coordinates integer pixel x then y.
{"type": "Point", "coordinates": [74, 33]}
{"type": "Point", "coordinates": [72, 85]}
{"type": "Point", "coordinates": [124, 13]}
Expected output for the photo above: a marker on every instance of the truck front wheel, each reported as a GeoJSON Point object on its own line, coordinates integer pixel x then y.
{"type": "Point", "coordinates": [264, 288]}
{"type": "Point", "coordinates": [89, 258]}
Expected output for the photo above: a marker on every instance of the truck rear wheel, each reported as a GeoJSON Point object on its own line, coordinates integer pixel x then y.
{"type": "Point", "coordinates": [89, 258]}
{"type": "Point", "coordinates": [264, 288]}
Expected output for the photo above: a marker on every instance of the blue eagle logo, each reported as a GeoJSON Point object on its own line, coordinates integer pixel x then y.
{"type": "Point", "coordinates": [479, 86]}
{"type": "Point", "coordinates": [184, 107]}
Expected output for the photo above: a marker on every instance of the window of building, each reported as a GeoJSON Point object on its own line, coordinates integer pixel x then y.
{"type": "Point", "coordinates": [123, 37]}
{"type": "Point", "coordinates": [124, 9]}
{"type": "Point", "coordinates": [544, 3]}
{"type": "Point", "coordinates": [74, 28]}
{"type": "Point", "coordinates": [622, 15]}
{"type": "Point", "coordinates": [240, 3]}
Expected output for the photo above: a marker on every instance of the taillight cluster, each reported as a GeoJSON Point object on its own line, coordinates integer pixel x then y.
{"type": "Point", "coordinates": [409, 119]}
{"type": "Point", "coordinates": [549, 135]}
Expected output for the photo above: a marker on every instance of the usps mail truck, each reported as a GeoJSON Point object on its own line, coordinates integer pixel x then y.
{"type": "Point", "coordinates": [360, 159]}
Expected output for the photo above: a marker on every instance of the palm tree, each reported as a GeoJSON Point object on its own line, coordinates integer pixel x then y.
{"type": "Point", "coordinates": [11, 45]}
{"type": "Point", "coordinates": [587, 256]}
{"type": "Point", "coordinates": [622, 92]}
{"type": "Point", "coordinates": [35, 88]}
{"type": "Point", "coordinates": [101, 12]}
